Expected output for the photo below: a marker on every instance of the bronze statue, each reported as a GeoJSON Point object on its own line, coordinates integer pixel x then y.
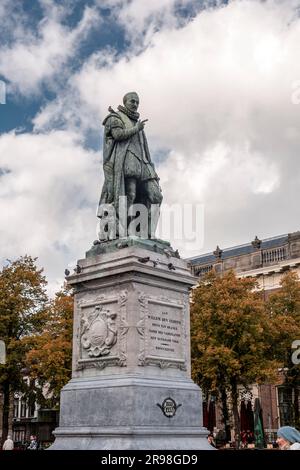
{"type": "Point", "coordinates": [127, 165]}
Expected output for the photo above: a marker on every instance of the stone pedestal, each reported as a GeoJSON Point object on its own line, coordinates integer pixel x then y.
{"type": "Point", "coordinates": [131, 385]}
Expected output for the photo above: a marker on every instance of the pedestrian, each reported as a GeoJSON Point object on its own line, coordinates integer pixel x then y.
{"type": "Point", "coordinates": [33, 443]}
{"type": "Point", "coordinates": [8, 444]}
{"type": "Point", "coordinates": [288, 438]}
{"type": "Point", "coordinates": [244, 438]}
{"type": "Point", "coordinates": [211, 440]}
{"type": "Point", "coordinates": [250, 437]}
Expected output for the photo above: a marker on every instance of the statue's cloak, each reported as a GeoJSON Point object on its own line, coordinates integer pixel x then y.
{"type": "Point", "coordinates": [114, 153]}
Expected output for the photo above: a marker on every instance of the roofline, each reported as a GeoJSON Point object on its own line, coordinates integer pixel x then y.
{"type": "Point", "coordinates": [235, 246]}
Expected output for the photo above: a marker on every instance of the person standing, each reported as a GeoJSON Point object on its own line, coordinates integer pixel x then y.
{"type": "Point", "coordinates": [211, 440]}
{"type": "Point", "coordinates": [288, 438]}
{"type": "Point", "coordinates": [8, 444]}
{"type": "Point", "coordinates": [33, 443]}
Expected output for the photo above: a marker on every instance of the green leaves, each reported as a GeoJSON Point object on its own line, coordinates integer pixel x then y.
{"type": "Point", "coordinates": [22, 298]}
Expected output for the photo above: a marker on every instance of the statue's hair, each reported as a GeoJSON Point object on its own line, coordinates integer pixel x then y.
{"type": "Point", "coordinates": [127, 95]}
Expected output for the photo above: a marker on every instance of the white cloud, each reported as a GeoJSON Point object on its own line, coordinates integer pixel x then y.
{"type": "Point", "coordinates": [34, 58]}
{"type": "Point", "coordinates": [141, 18]}
{"type": "Point", "coordinates": [218, 95]}
{"type": "Point", "coordinates": [56, 11]}
{"type": "Point", "coordinates": [48, 199]}
{"type": "Point", "coordinates": [4, 5]}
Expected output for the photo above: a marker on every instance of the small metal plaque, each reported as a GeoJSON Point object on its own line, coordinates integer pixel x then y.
{"type": "Point", "coordinates": [169, 407]}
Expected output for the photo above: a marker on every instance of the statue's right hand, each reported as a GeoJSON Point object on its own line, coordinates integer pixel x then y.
{"type": "Point", "coordinates": [141, 124]}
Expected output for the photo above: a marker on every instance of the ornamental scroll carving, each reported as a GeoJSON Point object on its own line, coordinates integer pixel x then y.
{"type": "Point", "coordinates": [98, 331]}
{"type": "Point", "coordinates": [102, 332]}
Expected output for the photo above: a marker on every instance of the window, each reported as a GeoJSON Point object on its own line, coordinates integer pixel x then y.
{"type": "Point", "coordinates": [23, 409]}
{"type": "Point", "coordinates": [286, 398]}
{"type": "Point", "coordinates": [31, 408]}
{"type": "Point", "coordinates": [16, 408]}
{"type": "Point", "coordinates": [19, 435]}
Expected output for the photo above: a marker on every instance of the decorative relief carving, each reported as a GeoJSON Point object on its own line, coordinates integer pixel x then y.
{"type": "Point", "coordinates": [141, 327]}
{"type": "Point", "coordinates": [99, 364]}
{"type": "Point", "coordinates": [81, 302]}
{"type": "Point", "coordinates": [98, 331]}
{"type": "Point", "coordinates": [163, 298]}
{"type": "Point", "coordinates": [102, 332]}
{"type": "Point", "coordinates": [78, 333]}
{"type": "Point", "coordinates": [162, 364]}
{"type": "Point", "coordinates": [186, 328]}
{"type": "Point", "coordinates": [123, 328]}
{"type": "Point", "coordinates": [162, 330]}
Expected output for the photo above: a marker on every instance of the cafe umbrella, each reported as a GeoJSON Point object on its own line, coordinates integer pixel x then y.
{"type": "Point", "coordinates": [258, 425]}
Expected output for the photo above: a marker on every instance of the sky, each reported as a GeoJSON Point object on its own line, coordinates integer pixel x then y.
{"type": "Point", "coordinates": [219, 82]}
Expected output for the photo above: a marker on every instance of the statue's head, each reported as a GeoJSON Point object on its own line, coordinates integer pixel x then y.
{"type": "Point", "coordinates": [131, 101]}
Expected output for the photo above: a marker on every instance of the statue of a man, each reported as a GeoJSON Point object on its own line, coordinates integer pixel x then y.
{"type": "Point", "coordinates": [127, 165]}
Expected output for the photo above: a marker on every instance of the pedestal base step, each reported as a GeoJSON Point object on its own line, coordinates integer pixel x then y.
{"type": "Point", "coordinates": [130, 438]}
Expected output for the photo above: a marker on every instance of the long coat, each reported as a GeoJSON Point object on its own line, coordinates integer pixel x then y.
{"type": "Point", "coordinates": [114, 153]}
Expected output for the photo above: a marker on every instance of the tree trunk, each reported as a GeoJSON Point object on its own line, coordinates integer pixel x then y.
{"type": "Point", "coordinates": [296, 407]}
{"type": "Point", "coordinates": [235, 411]}
{"type": "Point", "coordinates": [225, 414]}
{"type": "Point", "coordinates": [5, 415]}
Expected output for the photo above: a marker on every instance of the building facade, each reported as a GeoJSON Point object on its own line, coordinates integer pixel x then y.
{"type": "Point", "coordinates": [27, 418]}
{"type": "Point", "coordinates": [30, 419]}
{"type": "Point", "coordinates": [266, 260]}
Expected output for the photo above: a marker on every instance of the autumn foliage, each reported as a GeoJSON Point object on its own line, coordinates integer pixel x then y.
{"type": "Point", "coordinates": [22, 302]}
{"type": "Point", "coordinates": [38, 336]}
{"type": "Point", "coordinates": [231, 337]}
{"type": "Point", "coordinates": [237, 337]}
{"type": "Point", "coordinates": [49, 358]}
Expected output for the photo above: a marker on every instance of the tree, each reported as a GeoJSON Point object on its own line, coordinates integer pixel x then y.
{"type": "Point", "coordinates": [49, 358]}
{"type": "Point", "coordinates": [284, 308]}
{"type": "Point", "coordinates": [230, 333]}
{"type": "Point", "coordinates": [22, 301]}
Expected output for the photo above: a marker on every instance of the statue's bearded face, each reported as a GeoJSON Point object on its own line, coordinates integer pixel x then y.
{"type": "Point", "coordinates": [132, 102]}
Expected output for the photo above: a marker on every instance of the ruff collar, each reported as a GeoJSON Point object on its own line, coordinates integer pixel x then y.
{"type": "Point", "coordinates": [131, 114]}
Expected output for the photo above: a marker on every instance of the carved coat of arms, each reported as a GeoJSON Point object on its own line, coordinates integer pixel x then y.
{"type": "Point", "coordinates": [98, 331]}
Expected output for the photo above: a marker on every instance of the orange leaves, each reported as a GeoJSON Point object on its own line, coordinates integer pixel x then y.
{"type": "Point", "coordinates": [22, 298]}
{"type": "Point", "coordinates": [229, 325]}
{"type": "Point", "coordinates": [50, 355]}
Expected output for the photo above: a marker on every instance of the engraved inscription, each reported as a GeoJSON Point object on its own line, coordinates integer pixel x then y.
{"type": "Point", "coordinates": [164, 325]}
{"type": "Point", "coordinates": [162, 332]}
